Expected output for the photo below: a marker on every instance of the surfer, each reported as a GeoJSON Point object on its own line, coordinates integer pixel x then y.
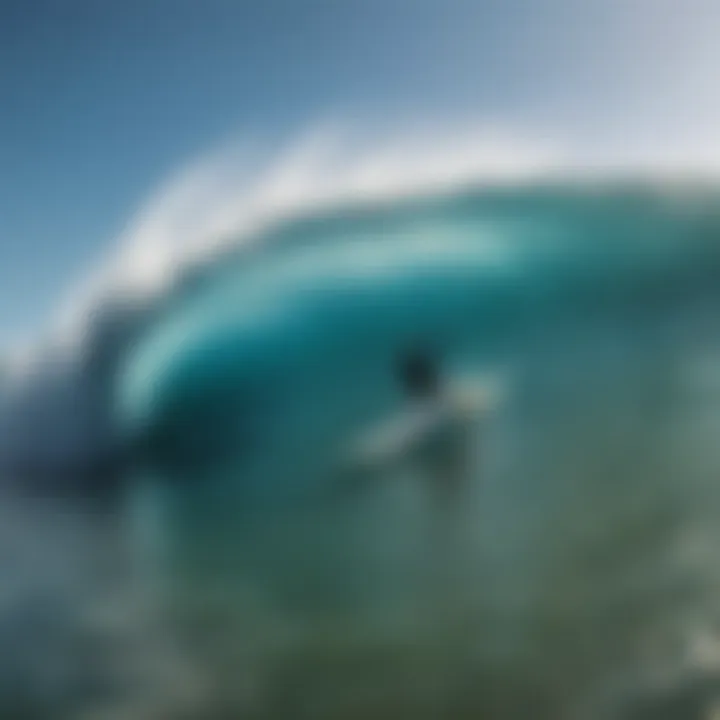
{"type": "Point", "coordinates": [433, 442]}
{"type": "Point", "coordinates": [433, 436]}
{"type": "Point", "coordinates": [442, 448]}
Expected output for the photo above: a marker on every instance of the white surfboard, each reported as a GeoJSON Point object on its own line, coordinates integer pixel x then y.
{"type": "Point", "coordinates": [465, 402]}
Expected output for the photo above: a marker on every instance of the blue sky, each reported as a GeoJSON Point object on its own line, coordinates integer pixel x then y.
{"type": "Point", "coordinates": [102, 101]}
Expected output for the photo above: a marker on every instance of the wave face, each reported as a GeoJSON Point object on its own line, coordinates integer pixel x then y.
{"type": "Point", "coordinates": [315, 316]}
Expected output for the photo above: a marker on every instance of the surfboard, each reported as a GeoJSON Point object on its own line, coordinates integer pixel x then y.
{"type": "Point", "coordinates": [422, 425]}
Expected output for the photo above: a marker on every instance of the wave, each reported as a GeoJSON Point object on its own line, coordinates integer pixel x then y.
{"type": "Point", "coordinates": [333, 299]}
{"type": "Point", "coordinates": [331, 189]}
{"type": "Point", "coordinates": [252, 312]}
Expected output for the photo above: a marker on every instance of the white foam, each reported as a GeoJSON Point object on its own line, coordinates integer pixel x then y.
{"type": "Point", "coordinates": [229, 195]}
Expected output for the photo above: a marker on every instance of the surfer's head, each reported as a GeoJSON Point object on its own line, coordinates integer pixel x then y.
{"type": "Point", "coordinates": [419, 373]}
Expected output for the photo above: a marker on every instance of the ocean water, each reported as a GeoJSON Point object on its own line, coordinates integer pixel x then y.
{"type": "Point", "coordinates": [579, 577]}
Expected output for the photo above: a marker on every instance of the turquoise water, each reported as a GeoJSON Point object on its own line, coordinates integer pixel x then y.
{"type": "Point", "coordinates": [582, 558]}
{"type": "Point", "coordinates": [301, 335]}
